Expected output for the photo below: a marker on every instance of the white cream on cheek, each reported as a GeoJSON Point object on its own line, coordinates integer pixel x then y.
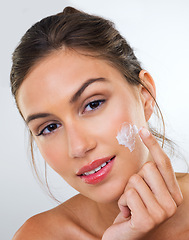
{"type": "Point", "coordinates": [127, 135]}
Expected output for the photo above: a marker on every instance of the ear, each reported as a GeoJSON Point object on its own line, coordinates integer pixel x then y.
{"type": "Point", "coordinates": [147, 96]}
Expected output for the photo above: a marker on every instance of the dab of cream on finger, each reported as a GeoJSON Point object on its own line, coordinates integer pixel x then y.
{"type": "Point", "coordinates": [127, 135]}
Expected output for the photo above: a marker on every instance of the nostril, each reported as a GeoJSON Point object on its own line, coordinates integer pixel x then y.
{"type": "Point", "coordinates": [79, 152]}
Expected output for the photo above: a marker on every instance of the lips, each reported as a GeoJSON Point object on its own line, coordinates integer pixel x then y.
{"type": "Point", "coordinates": [96, 171]}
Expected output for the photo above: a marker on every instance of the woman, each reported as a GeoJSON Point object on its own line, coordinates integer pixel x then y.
{"type": "Point", "coordinates": [77, 82]}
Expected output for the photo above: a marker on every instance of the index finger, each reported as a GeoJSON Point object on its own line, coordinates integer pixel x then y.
{"type": "Point", "coordinates": [163, 164]}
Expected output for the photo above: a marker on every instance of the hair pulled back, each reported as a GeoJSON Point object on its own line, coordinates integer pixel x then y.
{"type": "Point", "coordinates": [76, 30]}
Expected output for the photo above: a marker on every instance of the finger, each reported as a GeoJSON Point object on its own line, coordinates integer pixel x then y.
{"type": "Point", "coordinates": [140, 219]}
{"type": "Point", "coordinates": [126, 213]}
{"type": "Point", "coordinates": [163, 164]}
{"type": "Point", "coordinates": [153, 192]}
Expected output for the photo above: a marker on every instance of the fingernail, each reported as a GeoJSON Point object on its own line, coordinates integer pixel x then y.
{"type": "Point", "coordinates": [145, 132]}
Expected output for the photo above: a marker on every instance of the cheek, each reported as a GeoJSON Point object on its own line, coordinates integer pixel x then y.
{"type": "Point", "coordinates": [53, 154]}
{"type": "Point", "coordinates": [113, 118]}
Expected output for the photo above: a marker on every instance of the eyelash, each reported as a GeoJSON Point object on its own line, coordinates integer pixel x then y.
{"type": "Point", "coordinates": [98, 102]}
{"type": "Point", "coordinates": [50, 131]}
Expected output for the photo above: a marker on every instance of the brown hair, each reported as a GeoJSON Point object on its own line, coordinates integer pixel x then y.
{"type": "Point", "coordinates": [76, 30]}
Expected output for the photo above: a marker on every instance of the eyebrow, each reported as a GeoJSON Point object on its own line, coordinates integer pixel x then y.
{"type": "Point", "coordinates": [84, 86]}
{"type": "Point", "coordinates": [36, 116]}
{"type": "Point", "coordinates": [73, 99]}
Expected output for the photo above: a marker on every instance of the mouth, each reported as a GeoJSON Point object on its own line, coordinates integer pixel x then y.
{"type": "Point", "coordinates": [96, 171]}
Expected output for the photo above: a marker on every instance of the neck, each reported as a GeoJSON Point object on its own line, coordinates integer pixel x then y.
{"type": "Point", "coordinates": [107, 212]}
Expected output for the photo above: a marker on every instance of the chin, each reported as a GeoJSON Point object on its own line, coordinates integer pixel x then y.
{"type": "Point", "coordinates": [107, 193]}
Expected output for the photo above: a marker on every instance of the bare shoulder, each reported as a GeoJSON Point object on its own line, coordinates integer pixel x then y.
{"type": "Point", "coordinates": [45, 225]}
{"type": "Point", "coordinates": [182, 176]}
{"type": "Point", "coordinates": [183, 180]}
{"type": "Point", "coordinates": [60, 222]}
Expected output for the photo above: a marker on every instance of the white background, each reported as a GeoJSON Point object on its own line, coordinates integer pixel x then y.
{"type": "Point", "coordinates": [158, 31]}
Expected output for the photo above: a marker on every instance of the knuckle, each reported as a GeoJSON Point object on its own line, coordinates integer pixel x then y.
{"type": "Point", "coordinates": [171, 209]}
{"type": "Point", "coordinates": [177, 195]}
{"type": "Point", "coordinates": [148, 224]}
{"type": "Point", "coordinates": [122, 200]}
{"type": "Point", "coordinates": [130, 193]}
{"type": "Point", "coordinates": [160, 216]}
{"type": "Point", "coordinates": [149, 166]}
{"type": "Point", "coordinates": [166, 163]}
{"type": "Point", "coordinates": [134, 179]}
{"type": "Point", "coordinates": [154, 142]}
{"type": "Point", "coordinates": [145, 225]}
{"type": "Point", "coordinates": [179, 198]}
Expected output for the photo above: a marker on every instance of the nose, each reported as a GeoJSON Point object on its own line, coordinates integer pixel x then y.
{"type": "Point", "coordinates": [80, 141]}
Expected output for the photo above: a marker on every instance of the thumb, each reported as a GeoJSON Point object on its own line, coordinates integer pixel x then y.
{"type": "Point", "coordinates": [124, 215]}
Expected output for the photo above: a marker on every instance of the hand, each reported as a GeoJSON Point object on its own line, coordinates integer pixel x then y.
{"type": "Point", "coordinates": [150, 197]}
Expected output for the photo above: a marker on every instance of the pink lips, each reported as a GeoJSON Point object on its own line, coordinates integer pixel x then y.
{"type": "Point", "coordinates": [98, 176]}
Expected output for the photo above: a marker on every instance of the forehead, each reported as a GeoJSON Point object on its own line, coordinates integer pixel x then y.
{"type": "Point", "coordinates": [60, 74]}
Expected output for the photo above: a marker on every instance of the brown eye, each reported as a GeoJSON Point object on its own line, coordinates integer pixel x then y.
{"type": "Point", "coordinates": [51, 127]}
{"type": "Point", "coordinates": [93, 105]}
{"type": "Point", "coordinates": [48, 129]}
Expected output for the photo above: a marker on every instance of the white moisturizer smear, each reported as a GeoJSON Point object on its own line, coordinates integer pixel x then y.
{"type": "Point", "coordinates": [127, 135]}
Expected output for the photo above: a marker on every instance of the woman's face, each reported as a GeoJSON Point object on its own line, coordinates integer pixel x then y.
{"type": "Point", "coordinates": [74, 106]}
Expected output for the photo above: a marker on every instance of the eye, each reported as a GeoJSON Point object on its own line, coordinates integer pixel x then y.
{"type": "Point", "coordinates": [93, 105]}
{"type": "Point", "coordinates": [49, 129]}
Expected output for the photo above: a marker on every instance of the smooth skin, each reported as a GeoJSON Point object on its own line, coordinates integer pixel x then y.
{"type": "Point", "coordinates": [140, 198]}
